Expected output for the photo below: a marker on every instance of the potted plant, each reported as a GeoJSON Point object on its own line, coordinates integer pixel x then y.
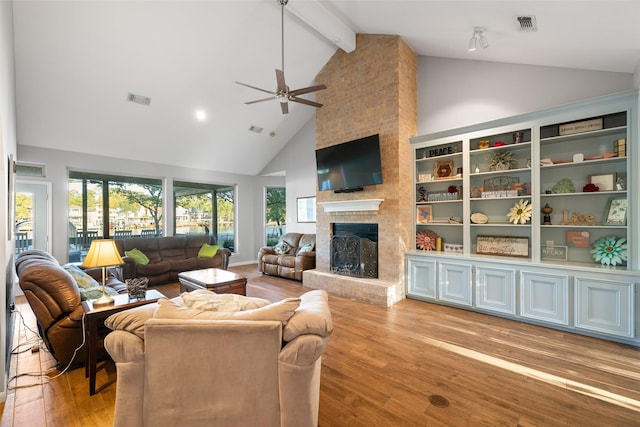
{"type": "Point", "coordinates": [501, 160]}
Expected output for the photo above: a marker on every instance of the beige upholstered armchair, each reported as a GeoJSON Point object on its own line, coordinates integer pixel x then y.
{"type": "Point", "coordinates": [182, 366]}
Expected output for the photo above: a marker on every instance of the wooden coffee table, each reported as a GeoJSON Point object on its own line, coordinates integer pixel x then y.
{"type": "Point", "coordinates": [213, 279]}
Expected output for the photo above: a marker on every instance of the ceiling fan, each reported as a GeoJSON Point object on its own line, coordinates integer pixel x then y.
{"type": "Point", "coordinates": [282, 92]}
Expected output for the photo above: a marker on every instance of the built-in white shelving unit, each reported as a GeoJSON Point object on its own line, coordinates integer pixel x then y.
{"type": "Point", "coordinates": [468, 254]}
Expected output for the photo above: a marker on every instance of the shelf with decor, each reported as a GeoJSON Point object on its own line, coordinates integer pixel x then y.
{"type": "Point", "coordinates": [544, 220]}
{"type": "Point", "coordinates": [439, 198]}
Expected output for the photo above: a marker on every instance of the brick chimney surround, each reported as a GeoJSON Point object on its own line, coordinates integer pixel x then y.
{"type": "Point", "coordinates": [371, 90]}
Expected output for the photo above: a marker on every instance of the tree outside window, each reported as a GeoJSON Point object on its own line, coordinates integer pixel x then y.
{"type": "Point", "coordinates": [276, 211]}
{"type": "Point", "coordinates": [111, 207]}
{"type": "Point", "coordinates": [205, 209]}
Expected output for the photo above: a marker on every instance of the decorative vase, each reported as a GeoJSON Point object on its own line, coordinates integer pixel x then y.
{"type": "Point", "coordinates": [518, 137]}
{"type": "Point", "coordinates": [500, 167]}
{"type": "Point", "coordinates": [546, 210]}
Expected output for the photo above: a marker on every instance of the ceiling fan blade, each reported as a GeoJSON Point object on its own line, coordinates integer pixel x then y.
{"type": "Point", "coordinates": [304, 101]}
{"type": "Point", "coordinates": [271, 98]}
{"type": "Point", "coordinates": [306, 90]}
{"type": "Point", "coordinates": [257, 88]}
{"type": "Point", "coordinates": [282, 86]}
{"type": "Point", "coordinates": [284, 107]}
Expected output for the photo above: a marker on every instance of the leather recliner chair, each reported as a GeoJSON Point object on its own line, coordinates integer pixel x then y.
{"type": "Point", "coordinates": [294, 262]}
{"type": "Point", "coordinates": [55, 300]}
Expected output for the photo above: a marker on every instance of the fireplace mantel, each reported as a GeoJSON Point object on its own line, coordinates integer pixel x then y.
{"type": "Point", "coordinates": [352, 205]}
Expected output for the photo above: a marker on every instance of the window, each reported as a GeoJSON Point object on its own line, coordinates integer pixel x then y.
{"type": "Point", "coordinates": [24, 221]}
{"type": "Point", "coordinates": [205, 209]}
{"type": "Point", "coordinates": [276, 210]}
{"type": "Point", "coordinates": [111, 207]}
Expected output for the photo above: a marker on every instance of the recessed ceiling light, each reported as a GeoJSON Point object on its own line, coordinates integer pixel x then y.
{"type": "Point", "coordinates": [201, 115]}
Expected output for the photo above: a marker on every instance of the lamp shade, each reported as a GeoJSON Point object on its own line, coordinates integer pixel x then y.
{"type": "Point", "coordinates": [102, 253]}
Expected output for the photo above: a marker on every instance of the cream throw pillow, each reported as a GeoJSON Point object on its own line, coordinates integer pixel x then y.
{"type": "Point", "coordinates": [222, 302]}
{"type": "Point", "coordinates": [280, 311]}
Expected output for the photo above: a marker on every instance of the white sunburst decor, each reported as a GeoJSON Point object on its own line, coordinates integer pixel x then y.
{"type": "Point", "coordinates": [520, 212]}
{"type": "Point", "coordinates": [609, 250]}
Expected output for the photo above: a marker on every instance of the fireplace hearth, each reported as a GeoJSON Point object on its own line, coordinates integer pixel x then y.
{"type": "Point", "coordinates": [354, 250]}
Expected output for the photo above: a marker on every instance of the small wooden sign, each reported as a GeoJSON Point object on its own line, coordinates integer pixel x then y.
{"type": "Point", "coordinates": [578, 238]}
{"type": "Point", "coordinates": [503, 245]}
{"type": "Point", "coordinates": [578, 127]}
{"type": "Point", "coordinates": [557, 253]}
{"type": "Point", "coordinates": [444, 150]}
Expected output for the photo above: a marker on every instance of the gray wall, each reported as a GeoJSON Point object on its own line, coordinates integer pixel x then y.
{"type": "Point", "coordinates": [297, 159]}
{"type": "Point", "coordinates": [453, 93]}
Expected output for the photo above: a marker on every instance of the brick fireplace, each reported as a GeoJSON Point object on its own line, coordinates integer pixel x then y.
{"type": "Point", "coordinates": [370, 90]}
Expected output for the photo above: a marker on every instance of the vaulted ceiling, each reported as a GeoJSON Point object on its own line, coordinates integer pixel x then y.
{"type": "Point", "coordinates": [77, 61]}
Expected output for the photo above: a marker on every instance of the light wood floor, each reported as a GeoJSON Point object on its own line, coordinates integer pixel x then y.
{"type": "Point", "coordinates": [413, 364]}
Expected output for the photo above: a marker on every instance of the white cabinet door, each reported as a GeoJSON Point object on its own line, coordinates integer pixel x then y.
{"type": "Point", "coordinates": [454, 283]}
{"type": "Point", "coordinates": [496, 289]}
{"type": "Point", "coordinates": [421, 278]}
{"type": "Point", "coordinates": [604, 306]}
{"type": "Point", "coordinates": [545, 297]}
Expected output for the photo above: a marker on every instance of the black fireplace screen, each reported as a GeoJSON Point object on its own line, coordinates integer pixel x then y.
{"type": "Point", "coordinates": [352, 255]}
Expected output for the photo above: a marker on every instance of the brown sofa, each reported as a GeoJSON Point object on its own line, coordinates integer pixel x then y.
{"type": "Point", "coordinates": [54, 297]}
{"type": "Point", "coordinates": [169, 256]}
{"type": "Point", "coordinates": [184, 366]}
{"type": "Point", "coordinates": [293, 262]}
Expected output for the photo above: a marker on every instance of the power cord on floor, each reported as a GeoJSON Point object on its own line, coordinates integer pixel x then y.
{"type": "Point", "coordinates": [30, 342]}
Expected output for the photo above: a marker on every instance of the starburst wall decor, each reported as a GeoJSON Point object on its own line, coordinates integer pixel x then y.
{"type": "Point", "coordinates": [610, 250]}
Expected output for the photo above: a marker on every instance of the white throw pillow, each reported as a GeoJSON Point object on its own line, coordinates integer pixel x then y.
{"type": "Point", "coordinates": [280, 311]}
{"type": "Point", "coordinates": [222, 302]}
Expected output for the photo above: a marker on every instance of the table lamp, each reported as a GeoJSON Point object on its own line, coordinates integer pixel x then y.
{"type": "Point", "coordinates": [102, 253]}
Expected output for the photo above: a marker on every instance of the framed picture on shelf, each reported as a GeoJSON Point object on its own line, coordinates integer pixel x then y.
{"type": "Point", "coordinates": [605, 181]}
{"type": "Point", "coordinates": [443, 170]}
{"type": "Point", "coordinates": [616, 213]}
{"type": "Point", "coordinates": [578, 239]}
{"type": "Point", "coordinates": [424, 215]}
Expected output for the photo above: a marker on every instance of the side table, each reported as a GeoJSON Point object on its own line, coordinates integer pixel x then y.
{"type": "Point", "coordinates": [95, 317]}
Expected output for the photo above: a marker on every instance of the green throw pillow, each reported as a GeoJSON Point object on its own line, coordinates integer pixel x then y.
{"type": "Point", "coordinates": [83, 280]}
{"type": "Point", "coordinates": [207, 251]}
{"type": "Point", "coordinates": [281, 248]}
{"type": "Point", "coordinates": [138, 255]}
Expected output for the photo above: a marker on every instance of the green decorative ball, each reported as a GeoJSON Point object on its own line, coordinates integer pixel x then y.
{"type": "Point", "coordinates": [565, 185]}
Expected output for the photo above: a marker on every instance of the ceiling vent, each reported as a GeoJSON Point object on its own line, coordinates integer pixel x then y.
{"type": "Point", "coordinates": [138, 99]}
{"type": "Point", "coordinates": [526, 23]}
{"type": "Point", "coordinates": [256, 129]}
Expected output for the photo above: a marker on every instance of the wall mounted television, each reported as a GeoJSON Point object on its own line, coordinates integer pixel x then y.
{"type": "Point", "coordinates": [350, 166]}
